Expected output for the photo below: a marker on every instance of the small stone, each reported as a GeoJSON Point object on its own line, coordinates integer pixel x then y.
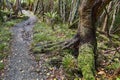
{"type": "Point", "coordinates": [37, 70]}
{"type": "Point", "coordinates": [22, 71]}
{"type": "Point", "coordinates": [48, 74]}
{"type": "Point", "coordinates": [101, 72]}
{"type": "Point", "coordinates": [20, 61]}
{"type": "Point", "coordinates": [51, 68]}
{"type": "Point", "coordinates": [37, 79]}
{"type": "Point", "coordinates": [52, 75]}
{"type": "Point", "coordinates": [45, 70]}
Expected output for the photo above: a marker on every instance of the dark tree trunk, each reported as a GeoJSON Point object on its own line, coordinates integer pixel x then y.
{"type": "Point", "coordinates": [87, 48]}
{"type": "Point", "coordinates": [9, 6]}
{"type": "Point", "coordinates": [89, 12]}
{"type": "Point", "coordinates": [36, 6]}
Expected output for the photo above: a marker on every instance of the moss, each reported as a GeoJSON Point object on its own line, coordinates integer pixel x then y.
{"type": "Point", "coordinates": [86, 61]}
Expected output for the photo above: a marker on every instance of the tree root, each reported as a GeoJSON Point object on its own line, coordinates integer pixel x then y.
{"type": "Point", "coordinates": [67, 44]}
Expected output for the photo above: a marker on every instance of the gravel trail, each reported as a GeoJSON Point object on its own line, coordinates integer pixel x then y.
{"type": "Point", "coordinates": [21, 64]}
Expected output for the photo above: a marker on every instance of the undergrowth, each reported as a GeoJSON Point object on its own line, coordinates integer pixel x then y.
{"type": "Point", "coordinates": [44, 34]}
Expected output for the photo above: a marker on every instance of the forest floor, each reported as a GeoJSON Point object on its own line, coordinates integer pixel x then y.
{"type": "Point", "coordinates": [24, 59]}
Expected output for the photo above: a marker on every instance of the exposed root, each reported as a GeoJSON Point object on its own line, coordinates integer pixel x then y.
{"type": "Point", "coordinates": [70, 43]}
{"type": "Point", "coordinates": [55, 46]}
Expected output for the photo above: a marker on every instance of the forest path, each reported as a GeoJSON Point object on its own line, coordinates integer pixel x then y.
{"type": "Point", "coordinates": [21, 64]}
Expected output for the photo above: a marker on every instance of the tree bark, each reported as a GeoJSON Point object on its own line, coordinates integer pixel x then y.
{"type": "Point", "coordinates": [62, 7]}
{"type": "Point", "coordinates": [113, 16]}
{"type": "Point", "coordinates": [89, 12]}
{"type": "Point", "coordinates": [17, 7]}
{"type": "Point", "coordinates": [105, 23]}
{"type": "Point", "coordinates": [73, 11]}
{"type": "Point", "coordinates": [9, 6]}
{"type": "Point", "coordinates": [87, 48]}
{"type": "Point", "coordinates": [36, 6]}
{"type": "Point", "coordinates": [1, 5]}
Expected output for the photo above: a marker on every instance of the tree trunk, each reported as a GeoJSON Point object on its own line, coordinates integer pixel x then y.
{"type": "Point", "coordinates": [36, 6]}
{"type": "Point", "coordinates": [51, 4]}
{"type": "Point", "coordinates": [1, 5]}
{"type": "Point", "coordinates": [18, 7]}
{"type": "Point", "coordinates": [62, 7]}
{"type": "Point", "coordinates": [74, 8]}
{"type": "Point", "coordinates": [105, 23]}
{"type": "Point", "coordinates": [9, 6]}
{"type": "Point", "coordinates": [89, 12]}
{"type": "Point", "coordinates": [113, 16]}
{"type": "Point", "coordinates": [87, 48]}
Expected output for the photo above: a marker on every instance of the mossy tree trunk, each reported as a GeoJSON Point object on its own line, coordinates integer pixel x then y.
{"type": "Point", "coordinates": [87, 36]}
{"type": "Point", "coordinates": [89, 11]}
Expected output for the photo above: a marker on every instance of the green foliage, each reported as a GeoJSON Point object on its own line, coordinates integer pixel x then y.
{"type": "Point", "coordinates": [114, 65]}
{"type": "Point", "coordinates": [27, 1]}
{"type": "Point", "coordinates": [117, 21]}
{"type": "Point", "coordinates": [70, 66]}
{"type": "Point", "coordinates": [85, 63]}
{"type": "Point", "coordinates": [51, 18]}
{"type": "Point", "coordinates": [51, 15]}
{"type": "Point", "coordinates": [69, 62]}
{"type": "Point", "coordinates": [44, 33]}
{"type": "Point", "coordinates": [118, 79]}
{"type": "Point", "coordinates": [5, 36]}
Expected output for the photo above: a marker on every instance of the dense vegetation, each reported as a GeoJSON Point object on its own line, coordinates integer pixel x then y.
{"type": "Point", "coordinates": [55, 35]}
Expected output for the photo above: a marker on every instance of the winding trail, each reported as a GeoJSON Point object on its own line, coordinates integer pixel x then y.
{"type": "Point", "coordinates": [21, 63]}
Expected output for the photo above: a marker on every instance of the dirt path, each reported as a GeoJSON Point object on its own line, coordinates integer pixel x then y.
{"type": "Point", "coordinates": [21, 64]}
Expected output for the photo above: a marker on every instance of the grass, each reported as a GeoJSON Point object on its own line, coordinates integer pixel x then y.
{"type": "Point", "coordinates": [5, 37]}
{"type": "Point", "coordinates": [69, 62]}
{"type": "Point", "coordinates": [44, 32]}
